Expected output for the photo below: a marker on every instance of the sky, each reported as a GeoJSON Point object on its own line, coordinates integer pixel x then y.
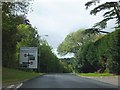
{"type": "Point", "coordinates": [57, 18]}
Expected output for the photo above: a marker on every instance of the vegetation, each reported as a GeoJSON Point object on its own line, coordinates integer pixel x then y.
{"type": "Point", "coordinates": [103, 54]}
{"type": "Point", "coordinates": [93, 52]}
{"type": "Point", "coordinates": [96, 52]}
{"type": "Point", "coordinates": [65, 66]}
{"type": "Point", "coordinates": [14, 75]}
{"type": "Point", "coordinates": [74, 40]}
{"type": "Point", "coordinates": [96, 55]}
{"type": "Point", "coordinates": [18, 32]}
{"type": "Point", "coordinates": [49, 62]}
{"type": "Point", "coordinates": [111, 12]}
{"type": "Point", "coordinates": [11, 18]}
{"type": "Point", "coordinates": [95, 74]}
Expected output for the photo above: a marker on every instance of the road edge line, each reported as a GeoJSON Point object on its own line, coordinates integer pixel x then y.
{"type": "Point", "coordinates": [19, 85]}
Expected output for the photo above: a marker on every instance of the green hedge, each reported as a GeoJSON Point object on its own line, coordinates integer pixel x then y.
{"type": "Point", "coordinates": [102, 55]}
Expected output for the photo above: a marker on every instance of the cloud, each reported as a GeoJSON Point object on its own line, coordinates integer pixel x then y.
{"type": "Point", "coordinates": [57, 18]}
{"type": "Point", "coordinates": [69, 55]}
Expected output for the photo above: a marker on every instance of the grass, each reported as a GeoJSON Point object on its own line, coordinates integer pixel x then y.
{"type": "Point", "coordinates": [95, 74]}
{"type": "Point", "coordinates": [14, 75]}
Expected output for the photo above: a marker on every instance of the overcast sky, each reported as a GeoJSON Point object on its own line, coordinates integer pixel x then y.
{"type": "Point", "coordinates": [57, 18]}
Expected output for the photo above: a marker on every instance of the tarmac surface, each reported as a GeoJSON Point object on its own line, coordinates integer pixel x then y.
{"type": "Point", "coordinates": [65, 80]}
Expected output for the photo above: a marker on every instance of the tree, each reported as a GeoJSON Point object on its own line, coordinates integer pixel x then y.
{"type": "Point", "coordinates": [79, 43]}
{"type": "Point", "coordinates": [101, 55]}
{"type": "Point", "coordinates": [112, 12]}
{"type": "Point", "coordinates": [94, 31]}
{"type": "Point", "coordinates": [9, 30]}
{"type": "Point", "coordinates": [27, 37]}
{"type": "Point", "coordinates": [74, 41]}
{"type": "Point", "coordinates": [48, 60]}
{"type": "Point", "coordinates": [15, 8]}
{"type": "Point", "coordinates": [10, 20]}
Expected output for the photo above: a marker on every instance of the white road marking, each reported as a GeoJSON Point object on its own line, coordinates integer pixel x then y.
{"type": "Point", "coordinates": [19, 85]}
{"type": "Point", "coordinates": [11, 86]}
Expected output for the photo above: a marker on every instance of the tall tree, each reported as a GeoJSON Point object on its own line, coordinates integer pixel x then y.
{"type": "Point", "coordinates": [48, 60]}
{"type": "Point", "coordinates": [112, 12]}
{"type": "Point", "coordinates": [80, 43]}
{"type": "Point", "coordinates": [10, 21]}
{"type": "Point", "coordinates": [74, 41]}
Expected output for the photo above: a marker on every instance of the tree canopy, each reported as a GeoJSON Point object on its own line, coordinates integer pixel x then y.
{"type": "Point", "coordinates": [74, 41]}
{"type": "Point", "coordinates": [93, 53]}
{"type": "Point", "coordinates": [10, 33]}
{"type": "Point", "coordinates": [111, 11]}
{"type": "Point", "coordinates": [18, 32]}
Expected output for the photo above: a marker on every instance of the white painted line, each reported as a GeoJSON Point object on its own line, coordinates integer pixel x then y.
{"type": "Point", "coordinates": [19, 85]}
{"type": "Point", "coordinates": [11, 86]}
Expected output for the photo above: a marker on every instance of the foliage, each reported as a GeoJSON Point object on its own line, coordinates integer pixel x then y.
{"type": "Point", "coordinates": [10, 20]}
{"type": "Point", "coordinates": [10, 39]}
{"type": "Point", "coordinates": [107, 48]}
{"type": "Point", "coordinates": [94, 53]}
{"type": "Point", "coordinates": [101, 56]}
{"type": "Point", "coordinates": [94, 31]}
{"type": "Point", "coordinates": [18, 32]}
{"type": "Point", "coordinates": [15, 8]}
{"type": "Point", "coordinates": [68, 64]}
{"type": "Point", "coordinates": [28, 36]}
{"type": "Point", "coordinates": [49, 62]}
{"type": "Point", "coordinates": [111, 12]}
{"type": "Point", "coordinates": [73, 41]}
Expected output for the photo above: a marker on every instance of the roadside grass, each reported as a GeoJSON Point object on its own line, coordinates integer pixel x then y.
{"type": "Point", "coordinates": [95, 74]}
{"type": "Point", "coordinates": [14, 75]}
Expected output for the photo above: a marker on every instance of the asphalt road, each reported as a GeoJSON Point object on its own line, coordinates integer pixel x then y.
{"type": "Point", "coordinates": [64, 81]}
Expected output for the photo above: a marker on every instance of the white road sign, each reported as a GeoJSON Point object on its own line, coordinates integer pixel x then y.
{"type": "Point", "coordinates": [29, 57]}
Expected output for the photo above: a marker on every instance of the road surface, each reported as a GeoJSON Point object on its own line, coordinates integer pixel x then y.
{"type": "Point", "coordinates": [64, 81]}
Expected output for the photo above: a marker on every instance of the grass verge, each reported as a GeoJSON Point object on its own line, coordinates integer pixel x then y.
{"type": "Point", "coordinates": [14, 75]}
{"type": "Point", "coordinates": [95, 74]}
